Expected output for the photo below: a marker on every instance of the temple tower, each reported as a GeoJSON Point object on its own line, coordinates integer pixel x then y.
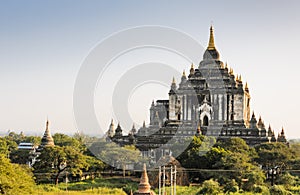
{"type": "Point", "coordinates": [47, 139]}
{"type": "Point", "coordinates": [144, 186]}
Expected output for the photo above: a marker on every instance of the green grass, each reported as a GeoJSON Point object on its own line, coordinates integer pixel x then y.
{"type": "Point", "coordinates": [100, 190]}
{"type": "Point", "coordinates": [112, 186]}
{"type": "Point", "coordinates": [182, 190]}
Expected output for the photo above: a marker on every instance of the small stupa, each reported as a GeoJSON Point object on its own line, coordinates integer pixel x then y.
{"type": "Point", "coordinates": [47, 139]}
{"type": "Point", "coordinates": [144, 186]}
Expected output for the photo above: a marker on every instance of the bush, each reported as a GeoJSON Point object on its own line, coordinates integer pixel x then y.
{"type": "Point", "coordinates": [279, 190]}
{"type": "Point", "coordinates": [286, 179]}
{"type": "Point", "coordinates": [231, 186]}
{"type": "Point", "coordinates": [210, 187]}
{"type": "Point", "coordinates": [261, 189]}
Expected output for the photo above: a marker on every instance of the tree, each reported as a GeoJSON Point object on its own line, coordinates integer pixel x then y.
{"type": "Point", "coordinates": [198, 146]}
{"type": "Point", "coordinates": [35, 140]}
{"type": "Point", "coordinates": [65, 140]}
{"type": "Point", "coordinates": [210, 187]}
{"type": "Point", "coordinates": [14, 179]}
{"type": "Point", "coordinates": [233, 158]}
{"type": "Point", "coordinates": [115, 155]}
{"type": "Point", "coordinates": [7, 146]}
{"type": "Point", "coordinates": [21, 156]}
{"type": "Point", "coordinates": [273, 154]}
{"type": "Point", "coordinates": [55, 160]}
{"type": "Point", "coordinates": [95, 166]}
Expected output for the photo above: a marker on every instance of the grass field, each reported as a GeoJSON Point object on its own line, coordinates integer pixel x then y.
{"type": "Point", "coordinates": [117, 186]}
{"type": "Point", "coordinates": [111, 186]}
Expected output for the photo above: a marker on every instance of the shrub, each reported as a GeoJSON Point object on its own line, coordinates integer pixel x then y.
{"type": "Point", "coordinates": [286, 179]}
{"type": "Point", "coordinates": [231, 186]}
{"type": "Point", "coordinates": [279, 190]}
{"type": "Point", "coordinates": [263, 190]}
{"type": "Point", "coordinates": [210, 187]}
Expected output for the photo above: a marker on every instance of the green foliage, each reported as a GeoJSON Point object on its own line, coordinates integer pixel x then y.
{"type": "Point", "coordinates": [263, 190]}
{"type": "Point", "coordinates": [273, 154]}
{"type": "Point", "coordinates": [286, 179]}
{"type": "Point", "coordinates": [197, 146]}
{"type": "Point", "coordinates": [14, 179]}
{"type": "Point", "coordinates": [234, 155]}
{"type": "Point", "coordinates": [115, 155]}
{"type": "Point", "coordinates": [210, 187]}
{"type": "Point", "coordinates": [279, 190]}
{"type": "Point", "coordinates": [65, 140]}
{"type": "Point", "coordinates": [21, 156]}
{"type": "Point", "coordinates": [97, 186]}
{"type": "Point", "coordinates": [181, 190]}
{"type": "Point", "coordinates": [69, 156]}
{"type": "Point", "coordinates": [7, 146]}
{"type": "Point", "coordinates": [231, 186]}
{"type": "Point", "coordinates": [55, 160]}
{"type": "Point", "coordinates": [36, 140]}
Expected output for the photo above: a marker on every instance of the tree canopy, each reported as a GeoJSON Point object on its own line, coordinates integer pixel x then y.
{"type": "Point", "coordinates": [15, 179]}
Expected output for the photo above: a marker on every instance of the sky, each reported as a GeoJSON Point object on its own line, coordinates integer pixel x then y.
{"type": "Point", "coordinates": [43, 45]}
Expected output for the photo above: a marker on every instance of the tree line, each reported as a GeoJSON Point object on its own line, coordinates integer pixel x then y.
{"type": "Point", "coordinates": [220, 166]}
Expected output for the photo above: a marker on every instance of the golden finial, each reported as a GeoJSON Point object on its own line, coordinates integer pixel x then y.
{"type": "Point", "coordinates": [246, 87]}
{"type": "Point", "coordinates": [211, 44]}
{"type": "Point", "coordinates": [183, 73]}
{"type": "Point", "coordinates": [226, 66]}
{"type": "Point", "coordinates": [222, 66]}
{"type": "Point", "coordinates": [144, 124]}
{"type": "Point", "coordinates": [231, 71]}
{"type": "Point", "coordinates": [47, 124]}
{"type": "Point", "coordinates": [237, 78]}
{"type": "Point", "coordinates": [192, 70]}
{"type": "Point", "coordinates": [240, 78]}
{"type": "Point", "coordinates": [282, 131]}
{"type": "Point", "coordinates": [173, 81]}
{"type": "Point", "coordinates": [253, 115]}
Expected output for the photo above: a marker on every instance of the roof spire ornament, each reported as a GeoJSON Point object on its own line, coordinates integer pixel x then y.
{"type": "Point", "coordinates": [183, 73]}
{"type": "Point", "coordinates": [47, 139]}
{"type": "Point", "coordinates": [231, 71]}
{"type": "Point", "coordinates": [246, 87]}
{"type": "Point", "coordinates": [173, 81]}
{"type": "Point", "coordinates": [211, 44]}
{"type": "Point", "coordinates": [237, 78]}
{"type": "Point", "coordinates": [192, 70]}
{"type": "Point", "coordinates": [173, 85]}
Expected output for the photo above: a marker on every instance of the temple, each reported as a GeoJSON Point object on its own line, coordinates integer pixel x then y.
{"type": "Point", "coordinates": [47, 139]}
{"type": "Point", "coordinates": [210, 100]}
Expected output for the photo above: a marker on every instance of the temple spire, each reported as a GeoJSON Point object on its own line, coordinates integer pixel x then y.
{"type": "Point", "coordinates": [211, 44]}
{"type": "Point", "coordinates": [246, 87]}
{"type": "Point", "coordinates": [173, 81]}
{"type": "Point", "coordinates": [192, 69]}
{"type": "Point", "coordinates": [144, 186]}
{"type": "Point", "coordinates": [173, 85]}
{"type": "Point", "coordinates": [47, 139]}
{"type": "Point", "coordinates": [183, 73]}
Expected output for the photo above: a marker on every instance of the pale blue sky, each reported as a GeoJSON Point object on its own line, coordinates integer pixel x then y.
{"type": "Point", "coordinates": [43, 43]}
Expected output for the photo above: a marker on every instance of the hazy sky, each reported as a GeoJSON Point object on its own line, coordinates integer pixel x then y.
{"type": "Point", "coordinates": [43, 44]}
